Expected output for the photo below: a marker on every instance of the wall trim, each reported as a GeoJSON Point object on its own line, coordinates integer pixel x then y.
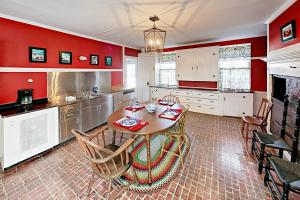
{"type": "Point", "coordinates": [61, 30]}
{"type": "Point", "coordinates": [20, 69]}
{"type": "Point", "coordinates": [281, 9]}
{"type": "Point", "coordinates": [216, 40]}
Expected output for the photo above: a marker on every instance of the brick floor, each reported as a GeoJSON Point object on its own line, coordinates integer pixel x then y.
{"type": "Point", "coordinates": [217, 167]}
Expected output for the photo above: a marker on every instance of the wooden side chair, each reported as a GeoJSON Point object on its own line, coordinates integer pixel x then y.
{"type": "Point", "coordinates": [259, 120]}
{"type": "Point", "coordinates": [176, 133]}
{"type": "Point", "coordinates": [120, 105]}
{"type": "Point", "coordinates": [288, 173]}
{"type": "Point", "coordinates": [171, 98]}
{"type": "Point", "coordinates": [261, 141]}
{"type": "Point", "coordinates": [108, 161]}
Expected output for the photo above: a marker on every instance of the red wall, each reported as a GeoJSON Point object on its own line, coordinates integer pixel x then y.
{"type": "Point", "coordinates": [131, 52]}
{"type": "Point", "coordinates": [16, 37]}
{"type": "Point", "coordinates": [292, 13]}
{"type": "Point", "coordinates": [11, 82]}
{"type": "Point", "coordinates": [258, 68]}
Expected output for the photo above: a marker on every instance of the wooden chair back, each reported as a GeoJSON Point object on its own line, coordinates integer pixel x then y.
{"type": "Point", "coordinates": [105, 163]}
{"type": "Point", "coordinates": [171, 98]}
{"type": "Point", "coordinates": [179, 126]}
{"type": "Point", "coordinates": [264, 110]}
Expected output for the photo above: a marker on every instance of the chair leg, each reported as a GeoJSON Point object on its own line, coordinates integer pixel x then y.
{"type": "Point", "coordinates": [247, 133]}
{"type": "Point", "coordinates": [264, 129]}
{"type": "Point", "coordinates": [90, 184]}
{"type": "Point", "coordinates": [286, 190]}
{"type": "Point", "coordinates": [109, 188]}
{"type": "Point", "coordinates": [179, 149]}
{"type": "Point", "coordinates": [134, 175]}
{"type": "Point", "coordinates": [163, 146]}
{"type": "Point", "coordinates": [121, 138]}
{"type": "Point", "coordinates": [253, 143]}
{"type": "Point", "coordinates": [267, 170]}
{"type": "Point", "coordinates": [243, 127]}
{"type": "Point", "coordinates": [261, 158]}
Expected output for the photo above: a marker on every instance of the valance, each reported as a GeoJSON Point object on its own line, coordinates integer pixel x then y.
{"type": "Point", "coordinates": [234, 52]}
{"type": "Point", "coordinates": [167, 57]}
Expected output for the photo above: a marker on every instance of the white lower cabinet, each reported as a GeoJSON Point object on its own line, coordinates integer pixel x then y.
{"type": "Point", "coordinates": [25, 135]}
{"type": "Point", "coordinates": [237, 104]}
{"type": "Point", "coordinates": [210, 102]}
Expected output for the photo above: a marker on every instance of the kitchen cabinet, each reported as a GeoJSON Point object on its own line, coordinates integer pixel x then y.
{"type": "Point", "coordinates": [199, 64]}
{"type": "Point", "coordinates": [96, 112]}
{"type": "Point", "coordinates": [26, 135]}
{"type": "Point", "coordinates": [237, 104]}
{"type": "Point", "coordinates": [185, 65]}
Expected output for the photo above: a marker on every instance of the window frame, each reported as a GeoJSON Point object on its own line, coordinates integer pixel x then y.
{"type": "Point", "coordinates": [167, 69]}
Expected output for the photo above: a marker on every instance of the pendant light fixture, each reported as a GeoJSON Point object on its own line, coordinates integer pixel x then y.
{"type": "Point", "coordinates": [154, 37]}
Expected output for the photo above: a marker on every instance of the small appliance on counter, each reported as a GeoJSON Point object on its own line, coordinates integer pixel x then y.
{"type": "Point", "coordinates": [25, 97]}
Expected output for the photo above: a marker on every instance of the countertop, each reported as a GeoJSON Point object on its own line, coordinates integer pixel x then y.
{"type": "Point", "coordinates": [10, 110]}
{"type": "Point", "coordinates": [203, 89]}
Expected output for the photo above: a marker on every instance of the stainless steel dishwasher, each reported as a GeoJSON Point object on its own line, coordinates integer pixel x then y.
{"type": "Point", "coordinates": [69, 118]}
{"type": "Point", "coordinates": [95, 112]}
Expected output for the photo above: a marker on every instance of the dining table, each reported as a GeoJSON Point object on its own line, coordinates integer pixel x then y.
{"type": "Point", "coordinates": [156, 125]}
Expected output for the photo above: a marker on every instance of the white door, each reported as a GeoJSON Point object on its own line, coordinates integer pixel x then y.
{"type": "Point", "coordinates": [146, 66]}
{"type": "Point", "coordinates": [185, 65]}
{"type": "Point", "coordinates": [130, 72]}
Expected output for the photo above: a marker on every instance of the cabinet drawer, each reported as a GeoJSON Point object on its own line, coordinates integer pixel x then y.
{"type": "Point", "coordinates": [203, 101]}
{"type": "Point", "coordinates": [185, 93]}
{"type": "Point", "coordinates": [205, 109]}
{"type": "Point", "coordinates": [185, 99]}
{"type": "Point", "coordinates": [207, 95]}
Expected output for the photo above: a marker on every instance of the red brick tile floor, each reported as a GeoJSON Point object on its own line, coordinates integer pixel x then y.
{"type": "Point", "coordinates": [218, 166]}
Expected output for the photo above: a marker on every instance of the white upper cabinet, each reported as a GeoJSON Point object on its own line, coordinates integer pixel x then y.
{"type": "Point", "coordinates": [199, 64]}
{"type": "Point", "coordinates": [185, 65]}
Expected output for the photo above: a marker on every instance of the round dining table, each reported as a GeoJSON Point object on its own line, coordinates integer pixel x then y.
{"type": "Point", "coordinates": [156, 125]}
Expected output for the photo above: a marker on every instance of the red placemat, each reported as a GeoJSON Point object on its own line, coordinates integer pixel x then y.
{"type": "Point", "coordinates": [137, 127]}
{"type": "Point", "coordinates": [134, 109]}
{"type": "Point", "coordinates": [161, 115]}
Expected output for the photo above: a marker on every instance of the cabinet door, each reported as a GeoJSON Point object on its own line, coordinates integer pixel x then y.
{"type": "Point", "coordinates": [238, 104]}
{"type": "Point", "coordinates": [206, 64]}
{"type": "Point", "coordinates": [185, 66]}
{"type": "Point", "coordinates": [214, 64]}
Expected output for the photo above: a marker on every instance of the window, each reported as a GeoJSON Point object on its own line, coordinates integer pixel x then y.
{"type": "Point", "coordinates": [234, 65]}
{"type": "Point", "coordinates": [167, 69]}
{"type": "Point", "coordinates": [130, 72]}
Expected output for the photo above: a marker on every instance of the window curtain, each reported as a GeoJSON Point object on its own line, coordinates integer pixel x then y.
{"type": "Point", "coordinates": [234, 65]}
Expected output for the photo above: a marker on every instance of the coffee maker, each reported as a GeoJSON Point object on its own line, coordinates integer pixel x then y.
{"type": "Point", "coordinates": [25, 97]}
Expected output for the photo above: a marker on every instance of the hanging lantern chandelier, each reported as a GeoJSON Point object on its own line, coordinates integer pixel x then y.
{"type": "Point", "coordinates": [154, 37]}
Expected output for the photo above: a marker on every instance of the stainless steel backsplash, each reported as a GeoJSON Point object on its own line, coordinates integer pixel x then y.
{"type": "Point", "coordinates": [61, 84]}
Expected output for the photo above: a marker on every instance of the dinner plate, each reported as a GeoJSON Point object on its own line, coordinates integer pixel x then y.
{"type": "Point", "coordinates": [171, 113]}
{"type": "Point", "coordinates": [129, 122]}
{"type": "Point", "coordinates": [136, 106]}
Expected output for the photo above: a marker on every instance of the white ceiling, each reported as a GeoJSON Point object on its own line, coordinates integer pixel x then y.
{"type": "Point", "coordinates": [122, 21]}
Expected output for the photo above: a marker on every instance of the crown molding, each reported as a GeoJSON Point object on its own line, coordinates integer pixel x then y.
{"type": "Point", "coordinates": [217, 40]}
{"type": "Point", "coordinates": [25, 21]}
{"type": "Point", "coordinates": [23, 69]}
{"type": "Point", "coordinates": [281, 9]}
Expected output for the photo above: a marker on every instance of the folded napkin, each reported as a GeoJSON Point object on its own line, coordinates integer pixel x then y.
{"type": "Point", "coordinates": [134, 109]}
{"type": "Point", "coordinates": [141, 124]}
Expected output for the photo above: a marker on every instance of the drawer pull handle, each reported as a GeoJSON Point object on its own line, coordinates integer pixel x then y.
{"type": "Point", "coordinates": [293, 67]}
